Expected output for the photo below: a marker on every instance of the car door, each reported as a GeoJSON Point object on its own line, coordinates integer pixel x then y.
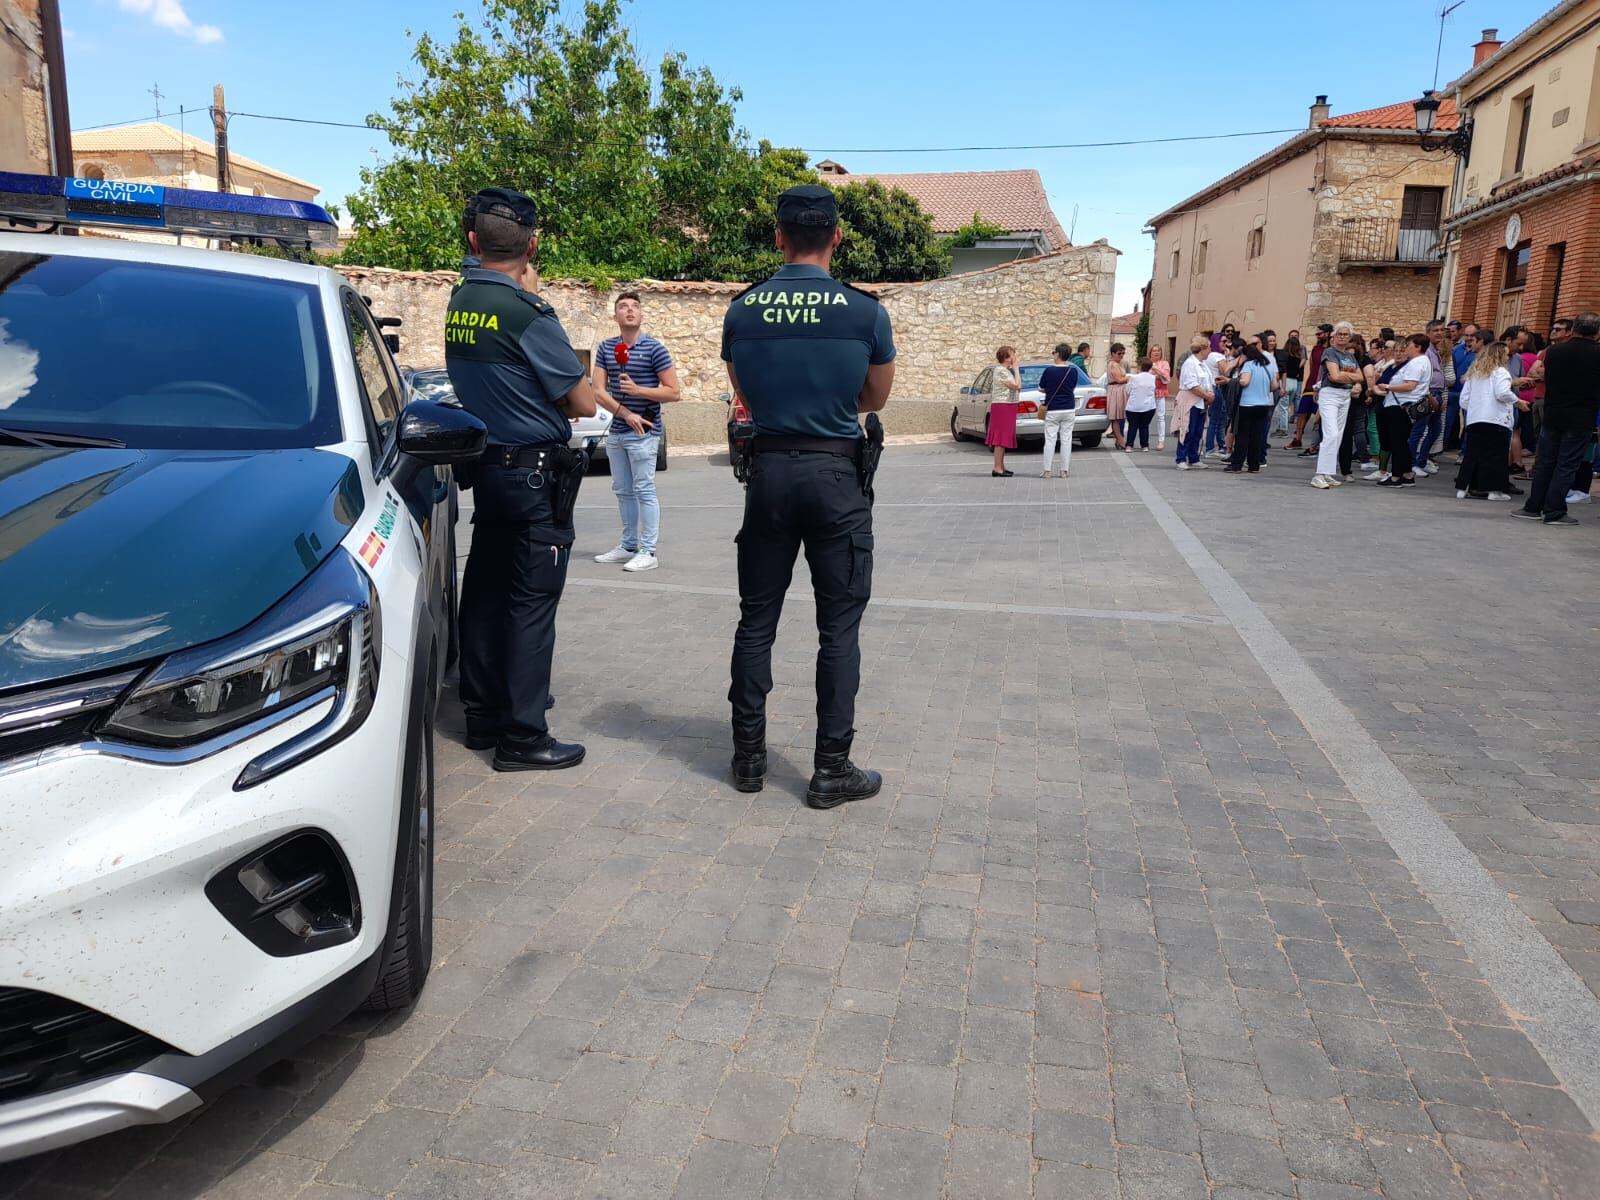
{"type": "Point", "coordinates": [975, 401]}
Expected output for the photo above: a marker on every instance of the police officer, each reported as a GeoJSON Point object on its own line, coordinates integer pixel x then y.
{"type": "Point", "coordinates": [807, 354]}
{"type": "Point", "coordinates": [513, 368]}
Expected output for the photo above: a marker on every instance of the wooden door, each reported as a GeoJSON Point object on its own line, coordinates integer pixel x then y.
{"type": "Point", "coordinates": [1510, 309]}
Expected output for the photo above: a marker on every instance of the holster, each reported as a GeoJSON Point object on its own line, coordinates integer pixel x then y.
{"type": "Point", "coordinates": [743, 460]}
{"type": "Point", "coordinates": [868, 454]}
{"type": "Point", "coordinates": [568, 479]}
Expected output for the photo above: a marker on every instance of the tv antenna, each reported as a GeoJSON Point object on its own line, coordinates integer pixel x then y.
{"type": "Point", "coordinates": [155, 90]}
{"type": "Point", "coordinates": [1439, 49]}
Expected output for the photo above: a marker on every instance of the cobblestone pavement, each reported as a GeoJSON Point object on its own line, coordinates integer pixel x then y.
{"type": "Point", "coordinates": [1123, 922]}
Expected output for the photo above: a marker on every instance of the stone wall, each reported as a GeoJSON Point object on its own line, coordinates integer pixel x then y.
{"type": "Point", "coordinates": [946, 330]}
{"type": "Point", "coordinates": [1368, 178]}
{"type": "Point", "coordinates": [24, 107]}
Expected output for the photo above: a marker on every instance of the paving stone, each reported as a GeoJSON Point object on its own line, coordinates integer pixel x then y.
{"type": "Point", "coordinates": [751, 1109]}
{"type": "Point", "coordinates": [808, 1167]}
{"type": "Point", "coordinates": [901, 1164]}
{"type": "Point", "coordinates": [834, 1104]}
{"type": "Point", "coordinates": [384, 1149]}
{"type": "Point", "coordinates": [916, 1096]}
{"type": "Point", "coordinates": [724, 1170]}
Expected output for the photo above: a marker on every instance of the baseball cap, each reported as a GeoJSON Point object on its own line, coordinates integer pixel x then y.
{"type": "Point", "coordinates": [808, 204]}
{"type": "Point", "coordinates": [503, 202]}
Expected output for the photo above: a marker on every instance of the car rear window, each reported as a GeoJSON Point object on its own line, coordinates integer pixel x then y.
{"type": "Point", "coordinates": [163, 357]}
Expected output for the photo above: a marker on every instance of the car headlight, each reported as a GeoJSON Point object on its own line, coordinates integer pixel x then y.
{"type": "Point", "coordinates": [320, 645]}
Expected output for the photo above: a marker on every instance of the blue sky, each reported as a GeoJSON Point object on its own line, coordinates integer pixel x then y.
{"type": "Point", "coordinates": [875, 74]}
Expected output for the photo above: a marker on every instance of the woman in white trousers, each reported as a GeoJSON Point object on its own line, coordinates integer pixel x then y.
{"type": "Point", "coordinates": [1340, 373]}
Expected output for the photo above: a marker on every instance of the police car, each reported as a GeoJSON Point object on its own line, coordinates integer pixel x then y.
{"type": "Point", "coordinates": [227, 596]}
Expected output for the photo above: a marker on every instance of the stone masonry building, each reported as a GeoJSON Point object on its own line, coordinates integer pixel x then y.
{"type": "Point", "coordinates": [1340, 222]}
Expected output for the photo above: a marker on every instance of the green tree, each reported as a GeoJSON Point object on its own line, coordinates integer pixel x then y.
{"type": "Point", "coordinates": [1141, 335]}
{"type": "Point", "coordinates": [888, 238]}
{"type": "Point", "coordinates": [636, 173]}
{"type": "Point", "coordinates": [973, 232]}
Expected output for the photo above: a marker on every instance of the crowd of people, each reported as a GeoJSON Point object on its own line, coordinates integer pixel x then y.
{"type": "Point", "coordinates": [1391, 405]}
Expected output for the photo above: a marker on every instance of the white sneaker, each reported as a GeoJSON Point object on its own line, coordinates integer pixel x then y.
{"type": "Point", "coordinates": [1424, 472]}
{"type": "Point", "coordinates": [1044, 475]}
{"type": "Point", "coordinates": [1461, 494]}
{"type": "Point", "coordinates": [1376, 474]}
{"type": "Point", "coordinates": [642, 562]}
{"type": "Point", "coordinates": [1162, 444]}
{"type": "Point", "coordinates": [1320, 481]}
{"type": "Point", "coordinates": [618, 554]}
{"type": "Point", "coordinates": [1499, 495]}
{"type": "Point", "coordinates": [1183, 466]}
{"type": "Point", "coordinates": [1334, 481]}
{"type": "Point", "coordinates": [1578, 498]}
{"type": "Point", "coordinates": [1202, 465]}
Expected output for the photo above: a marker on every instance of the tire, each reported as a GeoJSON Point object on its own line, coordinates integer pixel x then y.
{"type": "Point", "coordinates": [452, 609]}
{"type": "Point", "coordinates": [409, 953]}
{"type": "Point", "coordinates": [661, 452]}
{"type": "Point", "coordinates": [1090, 440]}
{"type": "Point", "coordinates": [955, 425]}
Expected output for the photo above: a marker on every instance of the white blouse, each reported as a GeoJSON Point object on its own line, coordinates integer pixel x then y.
{"type": "Point", "coordinates": [999, 393]}
{"type": "Point", "coordinates": [1142, 392]}
{"type": "Point", "coordinates": [1194, 377]}
{"type": "Point", "coordinates": [1489, 401]}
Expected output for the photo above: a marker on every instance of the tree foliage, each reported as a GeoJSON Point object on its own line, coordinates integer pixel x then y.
{"type": "Point", "coordinates": [636, 173]}
{"type": "Point", "coordinates": [973, 232]}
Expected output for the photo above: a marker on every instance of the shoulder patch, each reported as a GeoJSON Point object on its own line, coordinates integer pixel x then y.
{"type": "Point", "coordinates": [537, 303]}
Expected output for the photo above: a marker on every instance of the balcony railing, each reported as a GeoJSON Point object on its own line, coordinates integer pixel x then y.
{"type": "Point", "coordinates": [1381, 240]}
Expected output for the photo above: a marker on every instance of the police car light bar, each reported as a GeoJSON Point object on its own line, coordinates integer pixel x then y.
{"type": "Point", "coordinates": [50, 199]}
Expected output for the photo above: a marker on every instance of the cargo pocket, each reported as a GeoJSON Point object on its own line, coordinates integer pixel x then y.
{"type": "Point", "coordinates": [860, 566]}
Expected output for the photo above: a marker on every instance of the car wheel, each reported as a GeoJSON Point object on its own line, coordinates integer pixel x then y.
{"type": "Point", "coordinates": [1090, 440]}
{"type": "Point", "coordinates": [410, 950]}
{"type": "Point", "coordinates": [661, 453]}
{"type": "Point", "coordinates": [452, 610]}
{"type": "Point", "coordinates": [955, 425]}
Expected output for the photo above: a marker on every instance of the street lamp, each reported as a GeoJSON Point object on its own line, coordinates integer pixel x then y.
{"type": "Point", "coordinates": [1457, 142]}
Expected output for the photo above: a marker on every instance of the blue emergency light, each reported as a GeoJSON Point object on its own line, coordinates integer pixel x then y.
{"type": "Point", "coordinates": [53, 200]}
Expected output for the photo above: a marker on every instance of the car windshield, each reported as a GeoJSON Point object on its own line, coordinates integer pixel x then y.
{"type": "Point", "coordinates": [161, 357]}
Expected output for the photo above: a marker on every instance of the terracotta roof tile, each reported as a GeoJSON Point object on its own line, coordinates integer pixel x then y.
{"type": "Point", "coordinates": [1396, 116]}
{"type": "Point", "coordinates": [160, 138]}
{"type": "Point", "coordinates": [1127, 324]}
{"type": "Point", "coordinates": [1015, 200]}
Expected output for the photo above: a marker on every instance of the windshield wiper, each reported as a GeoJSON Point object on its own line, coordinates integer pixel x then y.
{"type": "Point", "coordinates": [48, 439]}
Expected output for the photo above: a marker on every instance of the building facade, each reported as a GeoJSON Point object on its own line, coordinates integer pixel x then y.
{"type": "Point", "coordinates": [152, 152]}
{"type": "Point", "coordinates": [1524, 235]}
{"type": "Point", "coordinates": [33, 89]}
{"type": "Point", "coordinates": [1340, 222]}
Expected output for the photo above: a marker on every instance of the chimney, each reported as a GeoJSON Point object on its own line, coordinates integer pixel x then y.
{"type": "Point", "coordinates": [1319, 112]}
{"type": "Point", "coordinates": [1485, 47]}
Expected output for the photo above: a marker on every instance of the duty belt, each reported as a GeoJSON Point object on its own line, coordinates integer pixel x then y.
{"type": "Point", "coordinates": [544, 456]}
{"type": "Point", "coordinates": [844, 447]}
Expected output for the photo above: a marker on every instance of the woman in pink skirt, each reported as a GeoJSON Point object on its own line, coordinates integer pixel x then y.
{"type": "Point", "coordinates": [1117, 392]}
{"type": "Point", "coordinates": [1004, 384]}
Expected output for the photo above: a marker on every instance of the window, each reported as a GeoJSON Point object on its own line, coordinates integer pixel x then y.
{"type": "Point", "coordinates": [94, 171]}
{"type": "Point", "coordinates": [1517, 125]}
{"type": "Point", "coordinates": [378, 383]}
{"type": "Point", "coordinates": [1255, 242]}
{"type": "Point", "coordinates": [1517, 266]}
{"type": "Point", "coordinates": [1421, 209]}
{"type": "Point", "coordinates": [1474, 287]}
{"type": "Point", "coordinates": [1200, 258]}
{"type": "Point", "coordinates": [1555, 267]}
{"type": "Point", "coordinates": [1172, 268]}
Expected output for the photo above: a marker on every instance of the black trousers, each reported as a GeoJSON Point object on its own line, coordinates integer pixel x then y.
{"type": "Point", "coordinates": [1394, 435]}
{"type": "Point", "coordinates": [799, 499]}
{"type": "Point", "coordinates": [1139, 428]}
{"type": "Point", "coordinates": [516, 571]}
{"type": "Point", "coordinates": [1485, 459]}
{"type": "Point", "coordinates": [1560, 454]}
{"type": "Point", "coordinates": [1250, 435]}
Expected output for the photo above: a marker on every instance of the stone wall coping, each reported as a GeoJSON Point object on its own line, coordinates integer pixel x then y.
{"type": "Point", "coordinates": [713, 287]}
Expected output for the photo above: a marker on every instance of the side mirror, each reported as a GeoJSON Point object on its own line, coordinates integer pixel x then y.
{"type": "Point", "coordinates": [440, 434]}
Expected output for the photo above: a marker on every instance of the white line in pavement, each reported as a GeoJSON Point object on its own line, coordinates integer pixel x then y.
{"type": "Point", "coordinates": [913, 504]}
{"type": "Point", "coordinates": [1545, 996]}
{"type": "Point", "coordinates": [1031, 610]}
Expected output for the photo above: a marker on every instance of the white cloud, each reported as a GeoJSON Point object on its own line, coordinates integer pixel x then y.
{"type": "Point", "coordinates": [169, 14]}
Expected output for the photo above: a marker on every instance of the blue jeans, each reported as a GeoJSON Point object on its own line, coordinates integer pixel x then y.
{"type": "Point", "coordinates": [1452, 422]}
{"type": "Point", "coordinates": [1218, 417]}
{"type": "Point", "coordinates": [1423, 434]}
{"type": "Point", "coordinates": [1189, 448]}
{"type": "Point", "coordinates": [633, 479]}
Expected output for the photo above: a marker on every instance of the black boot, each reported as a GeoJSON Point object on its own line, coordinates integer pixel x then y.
{"type": "Point", "coordinates": [838, 780]}
{"type": "Point", "coordinates": [749, 764]}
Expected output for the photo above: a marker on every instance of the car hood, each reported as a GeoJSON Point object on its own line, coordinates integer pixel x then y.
{"type": "Point", "coordinates": [110, 556]}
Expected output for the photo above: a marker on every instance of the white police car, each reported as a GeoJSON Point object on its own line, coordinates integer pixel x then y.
{"type": "Point", "coordinates": [227, 584]}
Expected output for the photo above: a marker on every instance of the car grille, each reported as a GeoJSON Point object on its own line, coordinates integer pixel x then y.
{"type": "Point", "coordinates": [48, 1043]}
{"type": "Point", "coordinates": [61, 715]}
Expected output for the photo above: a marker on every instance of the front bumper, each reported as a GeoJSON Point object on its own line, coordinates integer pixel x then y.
{"type": "Point", "coordinates": [173, 1084]}
{"type": "Point", "coordinates": [104, 862]}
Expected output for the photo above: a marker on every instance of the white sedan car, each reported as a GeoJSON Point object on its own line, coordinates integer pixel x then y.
{"type": "Point", "coordinates": [970, 417]}
{"type": "Point", "coordinates": [227, 599]}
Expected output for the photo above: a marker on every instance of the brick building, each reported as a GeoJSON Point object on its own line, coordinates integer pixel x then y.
{"type": "Point", "coordinates": [1524, 237]}
{"type": "Point", "coordinates": [1340, 222]}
